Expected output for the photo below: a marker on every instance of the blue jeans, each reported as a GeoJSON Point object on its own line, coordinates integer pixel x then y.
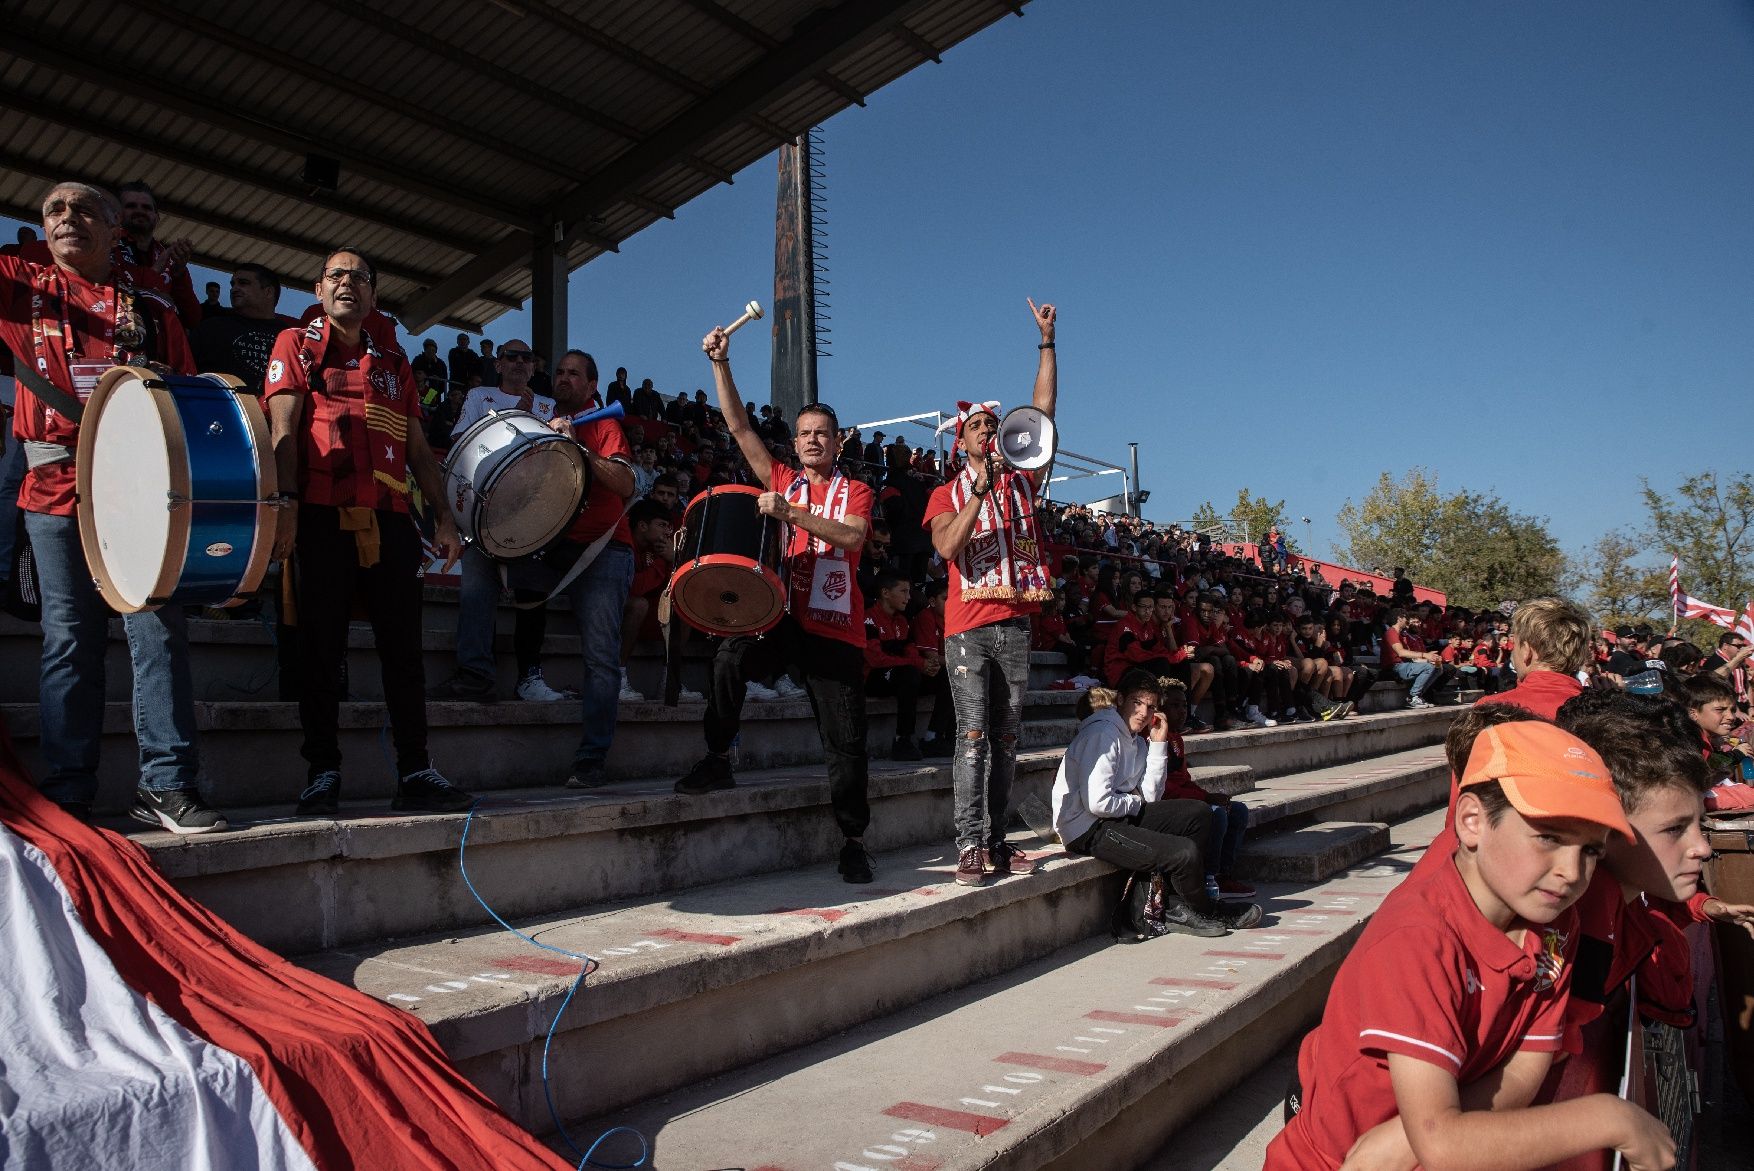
{"type": "Point", "coordinates": [989, 672]}
{"type": "Point", "coordinates": [597, 597]}
{"type": "Point", "coordinates": [75, 638]}
{"type": "Point", "coordinates": [1224, 838]}
{"type": "Point", "coordinates": [1418, 676]}
{"type": "Point", "coordinates": [12, 469]}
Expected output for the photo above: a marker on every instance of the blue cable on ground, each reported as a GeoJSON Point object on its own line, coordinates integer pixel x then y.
{"type": "Point", "coordinates": [587, 965]}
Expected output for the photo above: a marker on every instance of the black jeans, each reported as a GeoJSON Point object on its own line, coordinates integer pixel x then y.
{"type": "Point", "coordinates": [327, 573]}
{"type": "Point", "coordinates": [1224, 678]}
{"type": "Point", "coordinates": [529, 628]}
{"type": "Point", "coordinates": [834, 676]}
{"type": "Point", "coordinates": [904, 684]}
{"type": "Point", "coordinates": [1165, 836]}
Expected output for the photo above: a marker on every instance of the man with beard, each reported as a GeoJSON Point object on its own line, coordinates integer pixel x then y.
{"type": "Point", "coordinates": [238, 343]}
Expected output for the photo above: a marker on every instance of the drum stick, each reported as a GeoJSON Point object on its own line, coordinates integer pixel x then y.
{"type": "Point", "coordinates": [751, 312]}
{"type": "Point", "coordinates": [612, 411]}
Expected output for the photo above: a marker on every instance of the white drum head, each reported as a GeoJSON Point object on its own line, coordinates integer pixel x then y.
{"type": "Point", "coordinates": [534, 499]}
{"type": "Point", "coordinates": [129, 463]}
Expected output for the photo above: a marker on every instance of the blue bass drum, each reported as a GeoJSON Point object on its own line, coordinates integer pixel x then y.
{"type": "Point", "coordinates": [175, 476]}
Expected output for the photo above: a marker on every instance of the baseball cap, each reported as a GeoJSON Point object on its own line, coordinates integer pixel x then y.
{"type": "Point", "coordinates": [1627, 631]}
{"type": "Point", "coordinates": [1546, 772]}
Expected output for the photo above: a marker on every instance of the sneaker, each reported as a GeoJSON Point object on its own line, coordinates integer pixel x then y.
{"type": "Point", "coordinates": [1238, 916]}
{"type": "Point", "coordinates": [1181, 919]}
{"type": "Point", "coordinates": [587, 774]}
{"type": "Point", "coordinates": [759, 693]}
{"type": "Point", "coordinates": [905, 749]}
{"type": "Point", "coordinates": [971, 867]}
{"type": "Point", "coordinates": [322, 796]}
{"type": "Point", "coordinates": [1005, 858]}
{"type": "Point", "coordinates": [464, 685]}
{"type": "Point", "coordinates": [684, 695]}
{"type": "Point", "coordinates": [855, 862]}
{"type": "Point", "coordinates": [1342, 710]}
{"type": "Point", "coordinates": [630, 695]}
{"type": "Point", "coordinates": [1253, 715]}
{"type": "Point", "coordinates": [1234, 888]}
{"type": "Point", "coordinates": [786, 689]}
{"type": "Point", "coordinates": [179, 810]}
{"type": "Point", "coordinates": [427, 791]}
{"type": "Point", "coordinates": [709, 774]}
{"type": "Point", "coordinates": [532, 688]}
{"type": "Point", "coordinates": [1415, 703]}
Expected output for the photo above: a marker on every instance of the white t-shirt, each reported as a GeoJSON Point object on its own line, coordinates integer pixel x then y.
{"type": "Point", "coordinates": [486, 398]}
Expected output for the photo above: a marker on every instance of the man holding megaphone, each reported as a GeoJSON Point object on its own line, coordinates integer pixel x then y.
{"type": "Point", "coordinates": [983, 524]}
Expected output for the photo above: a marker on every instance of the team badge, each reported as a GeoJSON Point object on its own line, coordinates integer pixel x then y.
{"type": "Point", "coordinates": [276, 370]}
{"type": "Point", "coordinates": [834, 585]}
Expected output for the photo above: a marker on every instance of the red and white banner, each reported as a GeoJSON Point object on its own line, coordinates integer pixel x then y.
{"type": "Point", "coordinates": [142, 1031]}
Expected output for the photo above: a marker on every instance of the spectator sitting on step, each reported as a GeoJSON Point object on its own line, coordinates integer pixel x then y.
{"type": "Point", "coordinates": [1416, 668]}
{"type": "Point", "coordinates": [1413, 640]}
{"type": "Point", "coordinates": [1230, 818]}
{"type": "Point", "coordinates": [1048, 633]}
{"type": "Point", "coordinates": [429, 368]}
{"type": "Point", "coordinates": [1552, 641]}
{"type": "Point", "coordinates": [1138, 641]}
{"type": "Point", "coordinates": [927, 629]}
{"type": "Point", "coordinates": [1196, 676]}
{"type": "Point", "coordinates": [893, 664]}
{"type": "Point", "coordinates": [1108, 802]}
{"type": "Point", "coordinates": [649, 524]}
{"type": "Point", "coordinates": [1436, 1036]}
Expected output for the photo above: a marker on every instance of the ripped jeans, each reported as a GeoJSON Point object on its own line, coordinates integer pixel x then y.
{"type": "Point", "coordinates": [989, 672]}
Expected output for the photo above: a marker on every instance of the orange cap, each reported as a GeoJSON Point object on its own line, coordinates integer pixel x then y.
{"type": "Point", "coordinates": [1546, 772]}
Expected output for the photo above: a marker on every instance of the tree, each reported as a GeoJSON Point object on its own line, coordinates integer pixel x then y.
{"type": "Point", "coordinates": [1613, 584]}
{"type": "Point", "coordinates": [1248, 519]}
{"type": "Point", "coordinates": [1707, 525]}
{"type": "Point", "coordinates": [1469, 545]}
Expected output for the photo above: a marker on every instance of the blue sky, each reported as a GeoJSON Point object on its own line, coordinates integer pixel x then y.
{"type": "Point", "coordinates": [1294, 245]}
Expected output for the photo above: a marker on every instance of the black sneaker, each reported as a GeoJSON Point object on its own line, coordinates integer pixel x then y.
{"type": "Point", "coordinates": [427, 791]}
{"type": "Point", "coordinates": [322, 796]}
{"type": "Point", "coordinates": [1180, 918]}
{"type": "Point", "coordinates": [1235, 914]}
{"type": "Point", "coordinates": [905, 749]}
{"type": "Point", "coordinates": [464, 685]}
{"type": "Point", "coordinates": [855, 862]}
{"type": "Point", "coordinates": [587, 774]}
{"type": "Point", "coordinates": [179, 810]}
{"type": "Point", "coordinates": [710, 774]}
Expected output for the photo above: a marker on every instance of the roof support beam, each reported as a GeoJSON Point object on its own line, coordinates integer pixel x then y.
{"type": "Point", "coordinates": [814, 46]}
{"type": "Point", "coordinates": [163, 93]}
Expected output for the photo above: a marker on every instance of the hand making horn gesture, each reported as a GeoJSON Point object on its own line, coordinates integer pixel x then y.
{"type": "Point", "coordinates": [1045, 316]}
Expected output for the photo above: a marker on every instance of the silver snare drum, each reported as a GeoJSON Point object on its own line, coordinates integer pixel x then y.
{"type": "Point", "coordinates": [513, 484]}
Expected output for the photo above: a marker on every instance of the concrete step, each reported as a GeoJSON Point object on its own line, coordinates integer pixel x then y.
{"type": "Point", "coordinates": [250, 749]}
{"type": "Point", "coordinates": [1086, 1058]}
{"type": "Point", "coordinates": [1311, 854]}
{"type": "Point", "coordinates": [754, 951]}
{"type": "Point", "coordinates": [301, 884]}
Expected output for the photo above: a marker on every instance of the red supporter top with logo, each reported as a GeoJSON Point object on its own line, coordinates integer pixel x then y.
{"type": "Point", "coordinates": [1178, 782]}
{"type": "Point", "coordinates": [883, 627]}
{"type": "Point", "coordinates": [829, 579]}
{"type": "Point", "coordinates": [1433, 980]}
{"type": "Point", "coordinates": [960, 615]}
{"type": "Point", "coordinates": [928, 630]}
{"type": "Point", "coordinates": [353, 430]}
{"type": "Point", "coordinates": [75, 323]}
{"type": "Point", "coordinates": [604, 439]}
{"type": "Point", "coordinates": [651, 573]}
{"type": "Point", "coordinates": [1047, 631]}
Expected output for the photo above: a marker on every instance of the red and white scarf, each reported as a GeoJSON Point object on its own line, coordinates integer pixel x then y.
{"type": "Point", "coordinates": [821, 572]}
{"type": "Point", "coordinates": [1003, 557]}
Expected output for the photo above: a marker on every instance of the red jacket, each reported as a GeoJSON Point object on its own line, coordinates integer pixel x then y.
{"type": "Point", "coordinates": [889, 640]}
{"type": "Point", "coordinates": [1178, 782]}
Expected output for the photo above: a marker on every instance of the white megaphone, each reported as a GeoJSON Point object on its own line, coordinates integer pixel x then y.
{"type": "Point", "coordinates": [1027, 439]}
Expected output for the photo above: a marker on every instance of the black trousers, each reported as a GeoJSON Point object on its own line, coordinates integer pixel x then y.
{"type": "Point", "coordinates": [834, 677]}
{"type": "Point", "coordinates": [529, 628]}
{"type": "Point", "coordinates": [327, 575]}
{"type": "Point", "coordinates": [904, 684]}
{"type": "Point", "coordinates": [1224, 678]}
{"type": "Point", "coordinates": [942, 722]}
{"type": "Point", "coordinates": [1165, 836]}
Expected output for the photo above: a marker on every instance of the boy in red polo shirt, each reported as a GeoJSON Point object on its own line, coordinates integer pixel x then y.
{"type": "Point", "coordinates": [1445, 1017]}
{"type": "Point", "coordinates": [1551, 644]}
{"type": "Point", "coordinates": [893, 664]}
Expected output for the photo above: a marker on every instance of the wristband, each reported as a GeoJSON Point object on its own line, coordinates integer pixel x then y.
{"type": "Point", "coordinates": [1045, 346]}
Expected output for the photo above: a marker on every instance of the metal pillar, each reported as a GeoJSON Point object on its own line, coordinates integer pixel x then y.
{"type": "Point", "coordinates": [548, 293]}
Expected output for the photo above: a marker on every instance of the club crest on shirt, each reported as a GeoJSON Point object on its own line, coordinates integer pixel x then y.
{"type": "Point", "coordinates": [834, 585]}
{"type": "Point", "coordinates": [384, 383]}
{"type": "Point", "coordinates": [276, 370]}
{"type": "Point", "coordinates": [1551, 962]}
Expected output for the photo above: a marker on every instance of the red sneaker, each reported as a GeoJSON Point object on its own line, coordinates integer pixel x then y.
{"type": "Point", "coordinates": [1005, 858]}
{"type": "Point", "coordinates": [971, 867]}
{"type": "Point", "coordinates": [1234, 888]}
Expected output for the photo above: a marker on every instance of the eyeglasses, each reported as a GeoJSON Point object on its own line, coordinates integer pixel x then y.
{"type": "Point", "coordinates": [518, 356]}
{"type": "Point", "coordinates": [360, 275]}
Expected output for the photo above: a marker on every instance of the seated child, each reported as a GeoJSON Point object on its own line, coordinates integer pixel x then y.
{"type": "Point", "coordinates": [1444, 1018]}
{"type": "Point", "coordinates": [1108, 802]}
{"type": "Point", "coordinates": [1230, 818]}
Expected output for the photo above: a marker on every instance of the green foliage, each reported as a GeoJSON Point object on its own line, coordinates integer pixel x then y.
{"type": "Point", "coordinates": [1707, 524]}
{"type": "Point", "coordinates": [1616, 587]}
{"type": "Point", "coordinates": [1469, 545]}
{"type": "Point", "coordinates": [1249, 518]}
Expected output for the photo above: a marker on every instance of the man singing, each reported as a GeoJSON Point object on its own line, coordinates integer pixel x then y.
{"type": "Point", "coordinates": [70, 321]}
{"type": "Point", "coordinates": [823, 631]}
{"type": "Point", "coordinates": [983, 524]}
{"type": "Point", "coordinates": [340, 410]}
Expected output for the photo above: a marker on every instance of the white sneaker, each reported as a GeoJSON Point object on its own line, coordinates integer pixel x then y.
{"type": "Point", "coordinates": [1253, 715]}
{"type": "Point", "coordinates": [1416, 703]}
{"type": "Point", "coordinates": [759, 693]}
{"type": "Point", "coordinates": [629, 694]}
{"type": "Point", "coordinates": [683, 695]}
{"type": "Point", "coordinates": [534, 688]}
{"type": "Point", "coordinates": [786, 689]}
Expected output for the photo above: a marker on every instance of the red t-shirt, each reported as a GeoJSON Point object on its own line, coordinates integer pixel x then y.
{"type": "Point", "coordinates": [604, 439]}
{"type": "Point", "coordinates": [91, 311]}
{"type": "Point", "coordinates": [1046, 631]}
{"type": "Point", "coordinates": [1429, 979]}
{"type": "Point", "coordinates": [804, 558]}
{"type": "Point", "coordinates": [342, 426]}
{"type": "Point", "coordinates": [960, 615]}
{"type": "Point", "coordinates": [1393, 643]}
{"type": "Point", "coordinates": [928, 631]}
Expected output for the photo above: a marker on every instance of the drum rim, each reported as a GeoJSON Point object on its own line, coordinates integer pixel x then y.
{"type": "Point", "coordinates": [267, 487]}
{"type": "Point", "coordinates": [177, 548]}
{"type": "Point", "coordinates": [470, 526]}
{"type": "Point", "coordinates": [733, 561]}
{"type": "Point", "coordinates": [577, 453]}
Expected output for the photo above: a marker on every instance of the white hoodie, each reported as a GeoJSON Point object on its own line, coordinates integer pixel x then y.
{"type": "Point", "coordinates": [1107, 772]}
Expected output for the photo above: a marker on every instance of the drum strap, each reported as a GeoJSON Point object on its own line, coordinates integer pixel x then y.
{"type": "Point", "coordinates": [46, 392]}
{"type": "Point", "coordinates": [591, 553]}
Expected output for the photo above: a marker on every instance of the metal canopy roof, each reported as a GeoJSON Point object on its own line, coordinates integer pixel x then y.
{"type": "Point", "coordinates": [462, 128]}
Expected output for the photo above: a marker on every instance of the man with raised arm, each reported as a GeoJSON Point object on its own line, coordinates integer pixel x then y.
{"type": "Point", "coordinates": [983, 524]}
{"type": "Point", "coordinates": [823, 631]}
